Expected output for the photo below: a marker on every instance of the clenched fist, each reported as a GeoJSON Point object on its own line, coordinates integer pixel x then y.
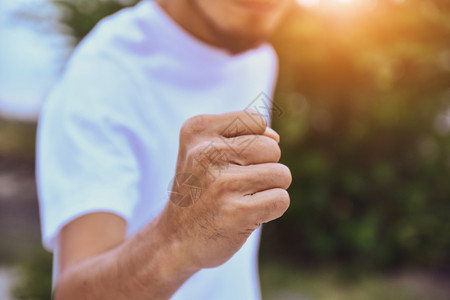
{"type": "Point", "coordinates": [228, 181]}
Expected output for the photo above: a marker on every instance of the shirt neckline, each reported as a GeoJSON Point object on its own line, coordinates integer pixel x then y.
{"type": "Point", "coordinates": [190, 47]}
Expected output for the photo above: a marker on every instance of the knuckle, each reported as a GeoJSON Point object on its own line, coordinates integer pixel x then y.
{"type": "Point", "coordinates": [201, 162]}
{"type": "Point", "coordinates": [265, 148]}
{"type": "Point", "coordinates": [184, 132]}
{"type": "Point", "coordinates": [241, 152]}
{"type": "Point", "coordinates": [239, 210]}
{"type": "Point", "coordinates": [194, 126]}
{"type": "Point", "coordinates": [226, 183]}
{"type": "Point", "coordinates": [222, 150]}
{"type": "Point", "coordinates": [284, 174]}
{"type": "Point", "coordinates": [259, 115]}
{"type": "Point", "coordinates": [279, 203]}
{"type": "Point", "coordinates": [196, 154]}
{"type": "Point", "coordinates": [273, 149]}
{"type": "Point", "coordinates": [263, 120]}
{"type": "Point", "coordinates": [198, 121]}
{"type": "Point", "coordinates": [283, 200]}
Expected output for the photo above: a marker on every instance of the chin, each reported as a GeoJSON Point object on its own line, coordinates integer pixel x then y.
{"type": "Point", "coordinates": [247, 36]}
{"type": "Point", "coordinates": [255, 27]}
{"type": "Point", "coordinates": [238, 42]}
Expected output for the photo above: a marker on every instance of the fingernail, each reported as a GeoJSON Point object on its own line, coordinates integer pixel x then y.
{"type": "Point", "coordinates": [273, 133]}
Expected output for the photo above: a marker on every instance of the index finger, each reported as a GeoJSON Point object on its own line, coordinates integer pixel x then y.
{"type": "Point", "coordinates": [233, 124]}
{"type": "Point", "coordinates": [272, 134]}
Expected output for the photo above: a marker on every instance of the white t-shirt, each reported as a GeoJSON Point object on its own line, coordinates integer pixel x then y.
{"type": "Point", "coordinates": [108, 132]}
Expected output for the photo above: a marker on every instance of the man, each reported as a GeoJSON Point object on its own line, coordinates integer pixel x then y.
{"type": "Point", "coordinates": [148, 81]}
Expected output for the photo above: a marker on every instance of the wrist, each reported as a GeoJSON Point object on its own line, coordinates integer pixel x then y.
{"type": "Point", "coordinates": [165, 256]}
{"type": "Point", "coordinates": [156, 261]}
{"type": "Point", "coordinates": [173, 251]}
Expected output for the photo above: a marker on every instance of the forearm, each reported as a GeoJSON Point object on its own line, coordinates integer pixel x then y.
{"type": "Point", "coordinates": [148, 265]}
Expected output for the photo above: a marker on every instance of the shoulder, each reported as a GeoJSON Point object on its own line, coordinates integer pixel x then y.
{"type": "Point", "coordinates": [125, 32]}
{"type": "Point", "coordinates": [102, 67]}
{"type": "Point", "coordinates": [115, 44]}
{"type": "Point", "coordinates": [92, 84]}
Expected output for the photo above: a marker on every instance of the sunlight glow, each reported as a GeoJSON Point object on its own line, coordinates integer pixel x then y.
{"type": "Point", "coordinates": [344, 1]}
{"type": "Point", "coordinates": [315, 3]}
{"type": "Point", "coordinates": [341, 7]}
{"type": "Point", "coordinates": [309, 3]}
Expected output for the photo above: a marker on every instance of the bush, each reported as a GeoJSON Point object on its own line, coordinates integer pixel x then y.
{"type": "Point", "coordinates": [34, 278]}
{"type": "Point", "coordinates": [366, 132]}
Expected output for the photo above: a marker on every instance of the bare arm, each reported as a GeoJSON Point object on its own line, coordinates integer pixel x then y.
{"type": "Point", "coordinates": [238, 193]}
{"type": "Point", "coordinates": [95, 261]}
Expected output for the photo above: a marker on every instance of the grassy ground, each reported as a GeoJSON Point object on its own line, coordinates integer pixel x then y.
{"type": "Point", "coordinates": [284, 283]}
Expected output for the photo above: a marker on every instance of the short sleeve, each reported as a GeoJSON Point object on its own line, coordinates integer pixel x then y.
{"type": "Point", "coordinates": [86, 158]}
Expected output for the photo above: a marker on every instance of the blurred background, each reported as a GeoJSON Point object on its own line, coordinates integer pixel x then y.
{"type": "Point", "coordinates": [364, 93]}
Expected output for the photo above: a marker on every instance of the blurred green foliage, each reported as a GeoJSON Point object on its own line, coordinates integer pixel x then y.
{"type": "Point", "coordinates": [35, 278]}
{"type": "Point", "coordinates": [80, 16]}
{"type": "Point", "coordinates": [366, 133]}
{"type": "Point", "coordinates": [279, 281]}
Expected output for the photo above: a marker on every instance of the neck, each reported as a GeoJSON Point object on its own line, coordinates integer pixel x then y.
{"type": "Point", "coordinates": [192, 18]}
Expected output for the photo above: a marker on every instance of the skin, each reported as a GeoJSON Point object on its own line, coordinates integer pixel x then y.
{"type": "Point", "coordinates": [235, 25]}
{"type": "Point", "coordinates": [96, 261]}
